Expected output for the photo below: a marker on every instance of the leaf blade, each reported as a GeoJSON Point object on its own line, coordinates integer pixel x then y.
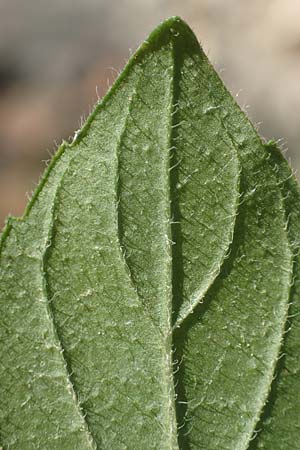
{"type": "Point", "coordinates": [135, 126]}
{"type": "Point", "coordinates": [117, 381]}
{"type": "Point", "coordinates": [222, 392]}
{"type": "Point", "coordinates": [165, 205]}
{"type": "Point", "coordinates": [34, 381]}
{"type": "Point", "coordinates": [279, 424]}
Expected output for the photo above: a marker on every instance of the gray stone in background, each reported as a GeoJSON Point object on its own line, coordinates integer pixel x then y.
{"type": "Point", "coordinates": [54, 54]}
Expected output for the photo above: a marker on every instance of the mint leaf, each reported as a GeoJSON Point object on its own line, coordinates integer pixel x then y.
{"type": "Point", "coordinates": [279, 426]}
{"type": "Point", "coordinates": [145, 292]}
{"type": "Point", "coordinates": [38, 404]}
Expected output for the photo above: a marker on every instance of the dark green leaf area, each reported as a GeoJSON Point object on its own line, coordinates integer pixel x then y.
{"type": "Point", "coordinates": [279, 425]}
{"type": "Point", "coordinates": [144, 295]}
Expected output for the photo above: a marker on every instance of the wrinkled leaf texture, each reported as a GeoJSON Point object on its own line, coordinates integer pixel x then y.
{"type": "Point", "coordinates": [150, 293]}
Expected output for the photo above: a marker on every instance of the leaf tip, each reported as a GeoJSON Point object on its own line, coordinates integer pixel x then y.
{"type": "Point", "coordinates": [172, 28]}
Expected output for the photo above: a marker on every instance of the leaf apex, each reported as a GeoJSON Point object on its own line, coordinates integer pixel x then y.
{"type": "Point", "coordinates": [170, 29]}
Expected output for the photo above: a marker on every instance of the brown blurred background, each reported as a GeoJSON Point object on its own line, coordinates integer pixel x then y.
{"type": "Point", "coordinates": [54, 53]}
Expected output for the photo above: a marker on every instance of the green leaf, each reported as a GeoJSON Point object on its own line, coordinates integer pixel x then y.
{"type": "Point", "coordinates": [280, 422]}
{"type": "Point", "coordinates": [144, 295]}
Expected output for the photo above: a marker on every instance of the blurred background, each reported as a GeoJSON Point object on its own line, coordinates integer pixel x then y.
{"type": "Point", "coordinates": [57, 56]}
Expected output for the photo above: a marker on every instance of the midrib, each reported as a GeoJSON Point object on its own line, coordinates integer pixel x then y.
{"type": "Point", "coordinates": [168, 367]}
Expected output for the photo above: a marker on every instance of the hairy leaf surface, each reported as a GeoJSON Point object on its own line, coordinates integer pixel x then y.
{"type": "Point", "coordinates": [144, 294]}
{"type": "Point", "coordinates": [280, 426]}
